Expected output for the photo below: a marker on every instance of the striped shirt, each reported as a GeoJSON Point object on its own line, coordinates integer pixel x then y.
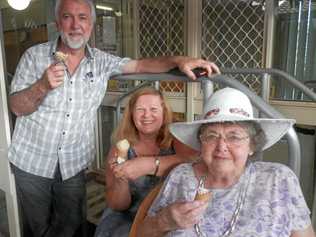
{"type": "Point", "coordinates": [62, 128]}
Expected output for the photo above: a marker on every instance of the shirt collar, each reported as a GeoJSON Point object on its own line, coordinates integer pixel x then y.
{"type": "Point", "coordinates": [88, 50]}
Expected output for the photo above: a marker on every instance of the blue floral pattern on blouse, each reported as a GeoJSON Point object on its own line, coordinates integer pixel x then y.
{"type": "Point", "coordinates": [274, 204]}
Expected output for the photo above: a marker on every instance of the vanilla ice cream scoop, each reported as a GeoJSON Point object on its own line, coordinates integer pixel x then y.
{"type": "Point", "coordinates": [60, 56]}
{"type": "Point", "coordinates": [122, 149]}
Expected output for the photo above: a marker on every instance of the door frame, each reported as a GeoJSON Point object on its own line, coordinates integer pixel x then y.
{"type": "Point", "coordinates": [7, 182]}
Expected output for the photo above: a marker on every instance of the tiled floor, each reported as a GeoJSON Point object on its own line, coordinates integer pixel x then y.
{"type": "Point", "coordinates": [95, 201]}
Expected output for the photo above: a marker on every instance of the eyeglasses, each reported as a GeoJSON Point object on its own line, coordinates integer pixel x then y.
{"type": "Point", "coordinates": [230, 139]}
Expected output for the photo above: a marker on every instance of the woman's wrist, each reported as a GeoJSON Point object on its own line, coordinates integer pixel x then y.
{"type": "Point", "coordinates": [157, 165]}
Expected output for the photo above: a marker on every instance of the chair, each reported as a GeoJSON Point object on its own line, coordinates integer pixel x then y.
{"type": "Point", "coordinates": [311, 84]}
{"type": "Point", "coordinates": [142, 210]}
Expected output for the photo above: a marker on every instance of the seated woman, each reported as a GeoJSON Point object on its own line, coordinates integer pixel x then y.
{"type": "Point", "coordinates": [248, 198]}
{"type": "Point", "coordinates": [152, 154]}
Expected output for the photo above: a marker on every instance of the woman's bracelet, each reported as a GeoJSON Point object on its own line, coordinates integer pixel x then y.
{"type": "Point", "coordinates": [157, 163]}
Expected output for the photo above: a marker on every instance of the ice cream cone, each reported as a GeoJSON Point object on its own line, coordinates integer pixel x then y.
{"type": "Point", "coordinates": [61, 57]}
{"type": "Point", "coordinates": [122, 149]}
{"type": "Point", "coordinates": [203, 194]}
{"type": "Point", "coordinates": [122, 153]}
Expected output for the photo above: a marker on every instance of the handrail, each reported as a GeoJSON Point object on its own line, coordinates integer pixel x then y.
{"type": "Point", "coordinates": [306, 90]}
{"type": "Point", "coordinates": [294, 149]}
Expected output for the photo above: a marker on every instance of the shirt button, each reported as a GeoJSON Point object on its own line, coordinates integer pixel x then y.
{"type": "Point", "coordinates": [70, 82]}
{"type": "Point", "coordinates": [64, 133]}
{"type": "Point", "coordinates": [59, 148]}
{"type": "Point", "coordinates": [70, 99]}
{"type": "Point", "coordinates": [67, 115]}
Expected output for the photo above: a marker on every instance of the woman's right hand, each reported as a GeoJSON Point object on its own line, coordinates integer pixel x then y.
{"type": "Point", "coordinates": [116, 168]}
{"type": "Point", "coordinates": [117, 191]}
{"type": "Point", "coordinates": [181, 215]}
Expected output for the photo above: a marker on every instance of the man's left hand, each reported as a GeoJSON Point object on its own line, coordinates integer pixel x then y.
{"type": "Point", "coordinates": [187, 64]}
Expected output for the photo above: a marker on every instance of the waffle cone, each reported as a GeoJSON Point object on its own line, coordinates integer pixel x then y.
{"type": "Point", "coordinates": [203, 196]}
{"type": "Point", "coordinates": [120, 160]}
{"type": "Point", "coordinates": [122, 153]}
{"type": "Point", "coordinates": [122, 149]}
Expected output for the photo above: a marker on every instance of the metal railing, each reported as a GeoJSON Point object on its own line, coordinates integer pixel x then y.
{"type": "Point", "coordinates": [276, 72]}
{"type": "Point", "coordinates": [294, 149]}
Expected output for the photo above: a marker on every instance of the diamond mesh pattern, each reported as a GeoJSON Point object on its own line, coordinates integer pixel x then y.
{"type": "Point", "coordinates": [232, 36]}
{"type": "Point", "coordinates": [161, 32]}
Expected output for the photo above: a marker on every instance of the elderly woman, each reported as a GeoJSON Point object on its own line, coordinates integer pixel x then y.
{"type": "Point", "coordinates": [153, 152]}
{"type": "Point", "coordinates": [248, 198]}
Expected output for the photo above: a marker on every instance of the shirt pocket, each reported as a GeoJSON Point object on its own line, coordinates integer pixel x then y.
{"type": "Point", "coordinates": [92, 89]}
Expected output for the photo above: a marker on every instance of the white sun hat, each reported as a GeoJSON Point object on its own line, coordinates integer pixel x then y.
{"type": "Point", "coordinates": [229, 105]}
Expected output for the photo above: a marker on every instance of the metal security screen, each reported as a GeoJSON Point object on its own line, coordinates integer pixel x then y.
{"type": "Point", "coordinates": [295, 46]}
{"type": "Point", "coordinates": [232, 35]}
{"type": "Point", "coordinates": [161, 32]}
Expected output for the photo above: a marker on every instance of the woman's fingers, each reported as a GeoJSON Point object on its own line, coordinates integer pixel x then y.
{"type": "Point", "coordinates": [185, 215]}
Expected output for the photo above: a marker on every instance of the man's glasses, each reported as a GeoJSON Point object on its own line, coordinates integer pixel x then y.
{"type": "Point", "coordinates": [230, 139]}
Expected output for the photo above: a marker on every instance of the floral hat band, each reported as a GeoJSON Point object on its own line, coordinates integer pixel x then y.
{"type": "Point", "coordinates": [239, 111]}
{"type": "Point", "coordinates": [229, 105]}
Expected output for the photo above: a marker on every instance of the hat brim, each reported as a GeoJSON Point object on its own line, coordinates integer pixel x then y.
{"type": "Point", "coordinates": [274, 129]}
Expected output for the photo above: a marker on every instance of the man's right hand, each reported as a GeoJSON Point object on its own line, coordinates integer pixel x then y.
{"type": "Point", "coordinates": [26, 101]}
{"type": "Point", "coordinates": [53, 76]}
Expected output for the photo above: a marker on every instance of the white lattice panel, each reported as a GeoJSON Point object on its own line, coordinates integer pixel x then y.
{"type": "Point", "coordinates": [232, 36]}
{"type": "Point", "coordinates": [161, 32]}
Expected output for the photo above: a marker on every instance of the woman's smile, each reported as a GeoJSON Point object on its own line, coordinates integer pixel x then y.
{"type": "Point", "coordinates": [148, 114]}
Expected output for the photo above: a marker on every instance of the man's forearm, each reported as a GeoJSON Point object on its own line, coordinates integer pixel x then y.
{"type": "Point", "coordinates": [159, 64]}
{"type": "Point", "coordinates": [165, 63]}
{"type": "Point", "coordinates": [153, 65]}
{"type": "Point", "coordinates": [27, 101]}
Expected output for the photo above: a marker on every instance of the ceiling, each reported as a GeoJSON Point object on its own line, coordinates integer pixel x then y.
{"type": "Point", "coordinates": [4, 3]}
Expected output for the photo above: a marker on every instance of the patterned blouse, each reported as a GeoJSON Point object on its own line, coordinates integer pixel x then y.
{"type": "Point", "coordinates": [274, 205]}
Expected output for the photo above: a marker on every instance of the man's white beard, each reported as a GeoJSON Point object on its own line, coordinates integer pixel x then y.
{"type": "Point", "coordinates": [73, 44]}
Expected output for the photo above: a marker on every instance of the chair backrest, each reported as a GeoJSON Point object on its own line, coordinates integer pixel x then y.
{"type": "Point", "coordinates": [142, 210]}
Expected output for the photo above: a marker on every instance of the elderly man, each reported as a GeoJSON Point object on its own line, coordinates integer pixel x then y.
{"type": "Point", "coordinates": [56, 102]}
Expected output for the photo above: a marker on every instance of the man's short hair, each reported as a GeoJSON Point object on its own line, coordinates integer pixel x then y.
{"type": "Point", "coordinates": [89, 2]}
